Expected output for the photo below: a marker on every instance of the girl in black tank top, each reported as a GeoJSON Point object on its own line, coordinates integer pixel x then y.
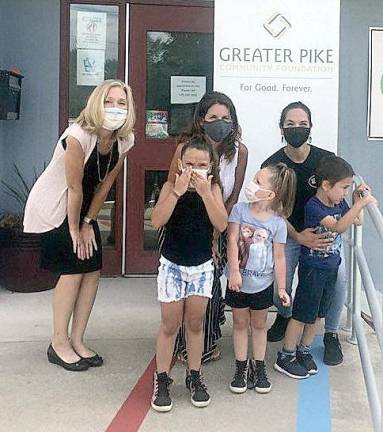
{"type": "Point", "coordinates": [189, 209]}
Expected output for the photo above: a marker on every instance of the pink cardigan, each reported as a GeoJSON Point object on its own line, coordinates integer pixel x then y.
{"type": "Point", "coordinates": [46, 207]}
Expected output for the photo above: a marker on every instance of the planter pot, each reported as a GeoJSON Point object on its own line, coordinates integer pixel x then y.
{"type": "Point", "coordinates": [20, 263]}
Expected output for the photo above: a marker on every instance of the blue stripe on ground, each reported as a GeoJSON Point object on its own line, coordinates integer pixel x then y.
{"type": "Point", "coordinates": [314, 412]}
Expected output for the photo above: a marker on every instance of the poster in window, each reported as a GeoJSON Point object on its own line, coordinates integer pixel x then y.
{"type": "Point", "coordinates": [91, 30]}
{"type": "Point", "coordinates": [187, 89]}
{"type": "Point", "coordinates": [375, 85]}
{"type": "Point", "coordinates": [156, 124]}
{"type": "Point", "coordinates": [90, 67]}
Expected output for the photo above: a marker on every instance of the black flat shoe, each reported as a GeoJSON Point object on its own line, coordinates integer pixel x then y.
{"type": "Point", "coordinates": [78, 366]}
{"type": "Point", "coordinates": [95, 361]}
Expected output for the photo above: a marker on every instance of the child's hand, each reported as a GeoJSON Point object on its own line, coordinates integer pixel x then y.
{"type": "Point", "coordinates": [201, 185]}
{"type": "Point", "coordinates": [235, 281]}
{"type": "Point", "coordinates": [368, 199]}
{"type": "Point", "coordinates": [360, 192]}
{"type": "Point", "coordinates": [182, 181]}
{"type": "Point", "coordinates": [284, 297]}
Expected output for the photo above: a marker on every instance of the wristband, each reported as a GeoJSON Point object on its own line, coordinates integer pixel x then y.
{"type": "Point", "coordinates": [88, 220]}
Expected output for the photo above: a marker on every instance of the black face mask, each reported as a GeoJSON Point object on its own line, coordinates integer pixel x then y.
{"type": "Point", "coordinates": [218, 130]}
{"type": "Point", "coordinates": [296, 136]}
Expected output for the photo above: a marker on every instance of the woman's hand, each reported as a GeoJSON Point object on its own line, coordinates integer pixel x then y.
{"type": "Point", "coordinates": [308, 238]}
{"type": "Point", "coordinates": [201, 185]}
{"type": "Point", "coordinates": [182, 181]}
{"type": "Point", "coordinates": [78, 244]}
{"type": "Point", "coordinates": [235, 281]}
{"type": "Point", "coordinates": [89, 240]}
{"type": "Point", "coordinates": [284, 297]}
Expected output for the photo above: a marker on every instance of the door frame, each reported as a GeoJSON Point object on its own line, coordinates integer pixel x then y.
{"type": "Point", "coordinates": [162, 17]}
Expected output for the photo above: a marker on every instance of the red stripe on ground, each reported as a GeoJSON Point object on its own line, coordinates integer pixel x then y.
{"type": "Point", "coordinates": [133, 411]}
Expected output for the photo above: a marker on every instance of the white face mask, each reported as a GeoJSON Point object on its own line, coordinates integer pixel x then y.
{"type": "Point", "coordinates": [251, 192]}
{"type": "Point", "coordinates": [114, 118]}
{"type": "Point", "coordinates": [203, 172]}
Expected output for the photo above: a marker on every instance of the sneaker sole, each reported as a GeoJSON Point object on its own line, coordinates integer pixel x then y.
{"type": "Point", "coordinates": [281, 370]}
{"type": "Point", "coordinates": [263, 390]}
{"type": "Point", "coordinates": [332, 363]}
{"type": "Point", "coordinates": [161, 408]}
{"type": "Point", "coordinates": [237, 390]}
{"type": "Point", "coordinates": [200, 404]}
{"type": "Point", "coordinates": [275, 339]}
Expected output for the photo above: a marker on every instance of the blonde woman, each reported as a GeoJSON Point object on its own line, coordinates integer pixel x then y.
{"type": "Point", "coordinates": [63, 206]}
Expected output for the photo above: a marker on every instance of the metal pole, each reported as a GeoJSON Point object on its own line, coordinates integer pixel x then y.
{"type": "Point", "coordinates": [357, 284]}
{"type": "Point", "coordinates": [368, 372]}
{"type": "Point", "coordinates": [371, 294]}
{"type": "Point", "coordinates": [350, 277]}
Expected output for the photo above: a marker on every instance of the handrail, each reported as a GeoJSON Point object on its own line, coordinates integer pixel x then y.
{"type": "Point", "coordinates": [359, 273]}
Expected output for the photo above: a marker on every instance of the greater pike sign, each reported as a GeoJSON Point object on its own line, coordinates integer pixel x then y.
{"type": "Point", "coordinates": [270, 53]}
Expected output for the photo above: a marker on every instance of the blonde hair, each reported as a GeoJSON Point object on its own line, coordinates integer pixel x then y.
{"type": "Point", "coordinates": [91, 117]}
{"type": "Point", "coordinates": [284, 182]}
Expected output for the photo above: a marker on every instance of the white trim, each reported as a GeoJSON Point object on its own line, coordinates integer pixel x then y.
{"type": "Point", "coordinates": [370, 30]}
{"type": "Point", "coordinates": [125, 179]}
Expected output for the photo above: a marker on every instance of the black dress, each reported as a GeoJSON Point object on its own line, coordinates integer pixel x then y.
{"type": "Point", "coordinates": [56, 245]}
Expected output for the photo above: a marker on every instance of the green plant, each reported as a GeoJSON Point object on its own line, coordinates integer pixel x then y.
{"type": "Point", "coordinates": [18, 189]}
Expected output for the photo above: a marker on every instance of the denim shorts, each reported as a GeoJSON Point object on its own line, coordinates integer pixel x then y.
{"type": "Point", "coordinates": [176, 282]}
{"type": "Point", "coordinates": [314, 294]}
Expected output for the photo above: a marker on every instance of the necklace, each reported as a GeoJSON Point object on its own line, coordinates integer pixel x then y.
{"type": "Point", "coordinates": [98, 163]}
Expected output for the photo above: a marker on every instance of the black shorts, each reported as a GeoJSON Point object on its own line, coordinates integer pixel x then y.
{"type": "Point", "coordinates": [257, 301]}
{"type": "Point", "coordinates": [314, 294]}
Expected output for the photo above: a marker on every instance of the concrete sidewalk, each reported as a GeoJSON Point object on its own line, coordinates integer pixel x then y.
{"type": "Point", "coordinates": [40, 397]}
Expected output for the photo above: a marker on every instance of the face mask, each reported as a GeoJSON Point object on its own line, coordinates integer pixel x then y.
{"type": "Point", "coordinates": [296, 136]}
{"type": "Point", "coordinates": [114, 118]}
{"type": "Point", "coordinates": [203, 172]}
{"type": "Point", "coordinates": [251, 190]}
{"type": "Point", "coordinates": [218, 130]}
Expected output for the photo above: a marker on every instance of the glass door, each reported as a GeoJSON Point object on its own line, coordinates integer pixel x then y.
{"type": "Point", "coordinates": [170, 68]}
{"type": "Point", "coordinates": [92, 50]}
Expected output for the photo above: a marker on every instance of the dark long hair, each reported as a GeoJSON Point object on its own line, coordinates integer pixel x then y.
{"type": "Point", "coordinates": [200, 143]}
{"type": "Point", "coordinates": [227, 147]}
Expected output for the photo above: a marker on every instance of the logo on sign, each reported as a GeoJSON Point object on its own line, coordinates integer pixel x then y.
{"type": "Point", "coordinates": [277, 25]}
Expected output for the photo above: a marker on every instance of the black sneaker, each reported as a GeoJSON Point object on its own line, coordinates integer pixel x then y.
{"type": "Point", "coordinates": [161, 399]}
{"type": "Point", "coordinates": [277, 331]}
{"type": "Point", "coordinates": [239, 383]}
{"type": "Point", "coordinates": [289, 366]}
{"type": "Point", "coordinates": [332, 349]}
{"type": "Point", "coordinates": [306, 360]}
{"type": "Point", "coordinates": [194, 382]}
{"type": "Point", "coordinates": [251, 375]}
{"type": "Point", "coordinates": [261, 382]}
